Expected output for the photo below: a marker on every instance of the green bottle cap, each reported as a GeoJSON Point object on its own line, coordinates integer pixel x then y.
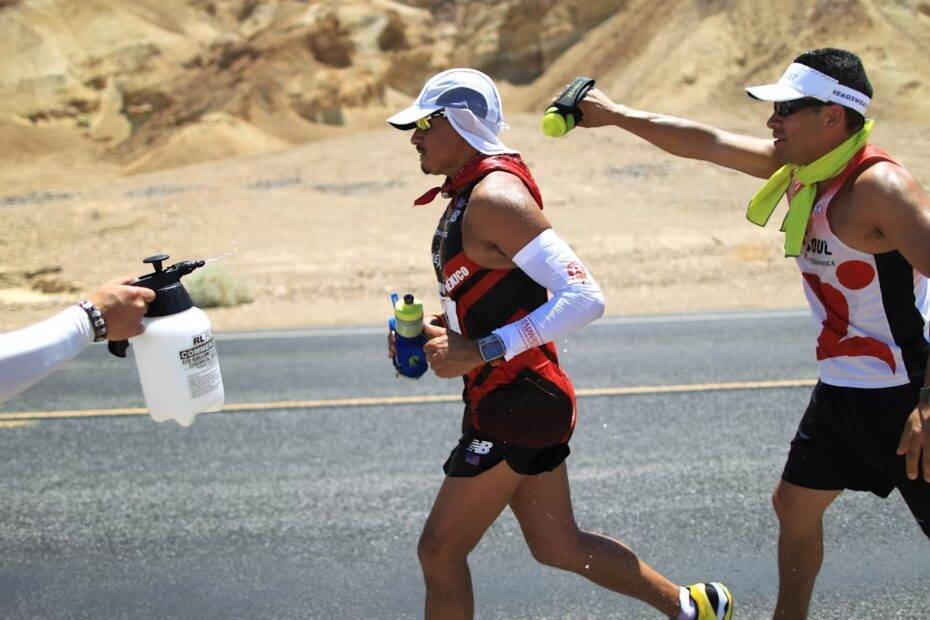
{"type": "Point", "coordinates": [408, 308]}
{"type": "Point", "coordinates": [555, 124]}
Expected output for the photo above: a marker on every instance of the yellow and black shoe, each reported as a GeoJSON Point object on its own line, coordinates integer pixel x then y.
{"type": "Point", "coordinates": [713, 601]}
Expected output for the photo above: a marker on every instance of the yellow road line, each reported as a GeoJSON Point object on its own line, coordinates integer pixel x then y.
{"type": "Point", "coordinates": [16, 423]}
{"type": "Point", "coordinates": [410, 400]}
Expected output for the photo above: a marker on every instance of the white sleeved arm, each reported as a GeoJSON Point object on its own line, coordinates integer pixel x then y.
{"type": "Point", "coordinates": [32, 353]}
{"type": "Point", "coordinates": [576, 298]}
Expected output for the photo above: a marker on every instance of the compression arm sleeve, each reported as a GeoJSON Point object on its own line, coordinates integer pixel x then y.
{"type": "Point", "coordinates": [31, 354]}
{"type": "Point", "coordinates": [576, 298]}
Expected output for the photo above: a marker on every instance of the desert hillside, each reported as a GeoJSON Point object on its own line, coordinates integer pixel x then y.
{"type": "Point", "coordinates": [130, 127]}
{"type": "Point", "coordinates": [126, 86]}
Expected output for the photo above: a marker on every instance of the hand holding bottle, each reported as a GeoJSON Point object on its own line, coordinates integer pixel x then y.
{"type": "Point", "coordinates": [122, 307]}
{"type": "Point", "coordinates": [449, 353]}
{"type": "Point", "coordinates": [564, 114]}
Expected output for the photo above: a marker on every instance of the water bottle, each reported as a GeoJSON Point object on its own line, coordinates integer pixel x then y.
{"type": "Point", "coordinates": [407, 325]}
{"type": "Point", "coordinates": [563, 115]}
{"type": "Point", "coordinates": [176, 355]}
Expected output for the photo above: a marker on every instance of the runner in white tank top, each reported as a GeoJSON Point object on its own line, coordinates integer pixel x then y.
{"type": "Point", "coordinates": [863, 260]}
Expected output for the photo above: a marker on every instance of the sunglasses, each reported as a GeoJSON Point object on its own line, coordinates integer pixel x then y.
{"type": "Point", "coordinates": [423, 123]}
{"type": "Point", "coordinates": [787, 108]}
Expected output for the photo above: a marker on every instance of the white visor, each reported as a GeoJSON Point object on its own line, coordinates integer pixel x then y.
{"type": "Point", "coordinates": [800, 81]}
{"type": "Point", "coordinates": [406, 118]}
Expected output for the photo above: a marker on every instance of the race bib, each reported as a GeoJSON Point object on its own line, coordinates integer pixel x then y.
{"type": "Point", "coordinates": [452, 317]}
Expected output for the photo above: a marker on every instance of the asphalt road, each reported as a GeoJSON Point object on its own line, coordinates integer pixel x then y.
{"type": "Point", "coordinates": [315, 511]}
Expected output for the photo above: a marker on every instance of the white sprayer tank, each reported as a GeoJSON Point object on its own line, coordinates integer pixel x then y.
{"type": "Point", "coordinates": [178, 366]}
{"type": "Point", "coordinates": [176, 355]}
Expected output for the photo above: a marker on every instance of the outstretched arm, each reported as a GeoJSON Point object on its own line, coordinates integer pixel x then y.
{"type": "Point", "coordinates": [30, 354]}
{"type": "Point", "coordinates": [684, 138]}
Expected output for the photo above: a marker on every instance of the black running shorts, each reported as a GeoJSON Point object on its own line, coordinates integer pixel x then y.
{"type": "Point", "coordinates": [477, 453]}
{"type": "Point", "coordinates": [848, 439]}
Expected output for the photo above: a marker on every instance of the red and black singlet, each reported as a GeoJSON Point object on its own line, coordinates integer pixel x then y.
{"type": "Point", "coordinates": [525, 401]}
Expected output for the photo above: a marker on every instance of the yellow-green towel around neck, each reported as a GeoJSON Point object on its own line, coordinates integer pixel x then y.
{"type": "Point", "coordinates": [799, 209]}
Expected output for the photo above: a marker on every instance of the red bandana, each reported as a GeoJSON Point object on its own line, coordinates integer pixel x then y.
{"type": "Point", "coordinates": [479, 166]}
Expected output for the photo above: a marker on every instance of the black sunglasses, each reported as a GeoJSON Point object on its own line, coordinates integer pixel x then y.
{"type": "Point", "coordinates": [787, 108]}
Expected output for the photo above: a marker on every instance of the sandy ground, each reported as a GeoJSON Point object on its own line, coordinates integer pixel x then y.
{"type": "Point", "coordinates": [323, 232]}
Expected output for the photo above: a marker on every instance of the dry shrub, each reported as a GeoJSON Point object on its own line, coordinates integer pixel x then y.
{"type": "Point", "coordinates": [217, 286]}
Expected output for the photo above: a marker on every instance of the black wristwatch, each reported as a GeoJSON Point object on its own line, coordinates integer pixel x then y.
{"type": "Point", "coordinates": [492, 348]}
{"type": "Point", "coordinates": [96, 320]}
{"type": "Point", "coordinates": [924, 397]}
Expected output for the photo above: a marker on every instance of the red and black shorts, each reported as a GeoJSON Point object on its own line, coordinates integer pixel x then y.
{"type": "Point", "coordinates": [848, 439]}
{"type": "Point", "coordinates": [526, 421]}
{"type": "Point", "coordinates": [476, 453]}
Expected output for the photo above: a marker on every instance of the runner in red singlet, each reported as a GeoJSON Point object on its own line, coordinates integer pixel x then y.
{"type": "Point", "coordinates": [864, 259]}
{"type": "Point", "coordinates": [497, 260]}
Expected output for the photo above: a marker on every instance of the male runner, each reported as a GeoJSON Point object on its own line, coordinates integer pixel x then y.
{"type": "Point", "coordinates": [495, 257]}
{"type": "Point", "coordinates": [859, 227]}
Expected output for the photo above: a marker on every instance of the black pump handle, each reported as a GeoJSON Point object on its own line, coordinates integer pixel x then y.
{"type": "Point", "coordinates": [156, 260]}
{"type": "Point", "coordinates": [152, 281]}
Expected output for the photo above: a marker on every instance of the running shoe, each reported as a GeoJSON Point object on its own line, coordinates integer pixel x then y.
{"type": "Point", "coordinates": [713, 601]}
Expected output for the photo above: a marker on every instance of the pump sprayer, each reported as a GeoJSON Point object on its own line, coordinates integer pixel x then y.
{"type": "Point", "coordinates": [176, 355]}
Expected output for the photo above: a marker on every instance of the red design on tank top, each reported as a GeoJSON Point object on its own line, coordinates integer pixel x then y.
{"type": "Point", "coordinates": [855, 274]}
{"type": "Point", "coordinates": [832, 341]}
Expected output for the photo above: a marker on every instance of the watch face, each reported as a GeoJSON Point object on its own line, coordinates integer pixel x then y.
{"type": "Point", "coordinates": [492, 348]}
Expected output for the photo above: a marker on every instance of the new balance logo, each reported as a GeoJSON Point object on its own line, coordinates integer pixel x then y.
{"type": "Point", "coordinates": [480, 447]}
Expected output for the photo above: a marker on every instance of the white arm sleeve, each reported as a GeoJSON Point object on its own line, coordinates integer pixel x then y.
{"type": "Point", "coordinates": [576, 298]}
{"type": "Point", "coordinates": [31, 354]}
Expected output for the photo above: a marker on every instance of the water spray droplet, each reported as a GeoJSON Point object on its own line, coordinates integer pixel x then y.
{"type": "Point", "coordinates": [222, 256]}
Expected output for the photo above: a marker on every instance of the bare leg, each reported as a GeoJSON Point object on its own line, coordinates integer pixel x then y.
{"type": "Point", "coordinates": [800, 545]}
{"type": "Point", "coordinates": [543, 507]}
{"type": "Point", "coordinates": [463, 510]}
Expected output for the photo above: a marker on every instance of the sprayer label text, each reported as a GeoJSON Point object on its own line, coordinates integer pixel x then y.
{"type": "Point", "coordinates": [200, 365]}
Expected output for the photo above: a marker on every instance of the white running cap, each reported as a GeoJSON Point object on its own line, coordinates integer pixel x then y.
{"type": "Point", "coordinates": [471, 103]}
{"type": "Point", "coordinates": [801, 81]}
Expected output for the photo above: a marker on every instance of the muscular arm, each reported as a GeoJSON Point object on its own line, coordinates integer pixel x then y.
{"type": "Point", "coordinates": [502, 217]}
{"type": "Point", "coordinates": [506, 220]}
{"type": "Point", "coordinates": [684, 138]}
{"type": "Point", "coordinates": [901, 211]}
{"type": "Point", "coordinates": [503, 228]}
{"type": "Point", "coordinates": [902, 214]}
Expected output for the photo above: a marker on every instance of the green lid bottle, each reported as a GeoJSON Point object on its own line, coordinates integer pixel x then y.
{"type": "Point", "coordinates": [408, 312]}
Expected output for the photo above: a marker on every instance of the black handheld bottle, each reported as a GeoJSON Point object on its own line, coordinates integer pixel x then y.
{"type": "Point", "coordinates": [563, 115]}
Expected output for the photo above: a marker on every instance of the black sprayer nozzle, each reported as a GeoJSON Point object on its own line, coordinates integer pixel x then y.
{"type": "Point", "coordinates": [170, 295]}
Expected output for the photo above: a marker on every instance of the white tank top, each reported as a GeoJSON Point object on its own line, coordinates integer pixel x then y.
{"type": "Point", "coordinates": [870, 310]}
